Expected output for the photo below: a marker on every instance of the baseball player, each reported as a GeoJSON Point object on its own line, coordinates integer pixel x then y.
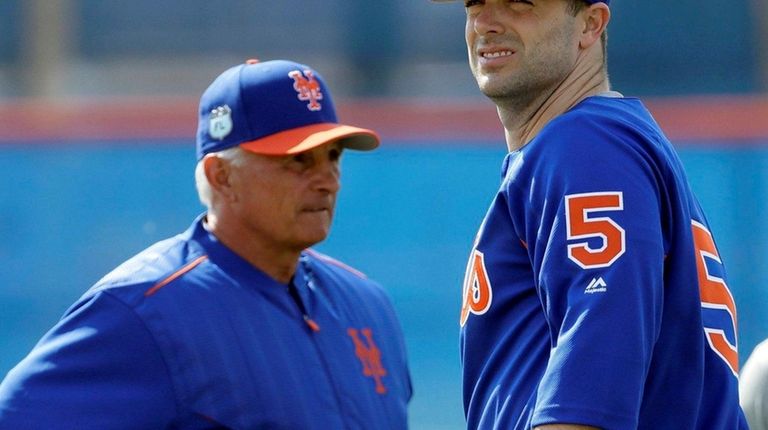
{"type": "Point", "coordinates": [753, 387]}
{"type": "Point", "coordinates": [595, 296]}
{"type": "Point", "coordinates": [236, 323]}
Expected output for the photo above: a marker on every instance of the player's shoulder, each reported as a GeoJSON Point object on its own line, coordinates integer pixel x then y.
{"type": "Point", "coordinates": [601, 119]}
{"type": "Point", "coordinates": [139, 275]}
{"type": "Point", "coordinates": [615, 119]}
{"type": "Point", "coordinates": [345, 283]}
{"type": "Point", "coordinates": [346, 277]}
{"type": "Point", "coordinates": [591, 143]}
{"type": "Point", "coordinates": [320, 261]}
{"type": "Point", "coordinates": [599, 126]}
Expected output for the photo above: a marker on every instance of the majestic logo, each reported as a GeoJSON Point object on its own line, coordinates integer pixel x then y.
{"type": "Point", "coordinates": [220, 122]}
{"type": "Point", "coordinates": [597, 285]}
{"type": "Point", "coordinates": [370, 357]}
{"type": "Point", "coordinates": [478, 292]}
{"type": "Point", "coordinates": [308, 88]}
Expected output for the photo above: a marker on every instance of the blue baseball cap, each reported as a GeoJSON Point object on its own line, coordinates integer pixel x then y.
{"type": "Point", "coordinates": [275, 108]}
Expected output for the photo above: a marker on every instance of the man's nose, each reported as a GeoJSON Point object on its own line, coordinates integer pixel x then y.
{"type": "Point", "coordinates": [327, 176]}
{"type": "Point", "coordinates": [487, 20]}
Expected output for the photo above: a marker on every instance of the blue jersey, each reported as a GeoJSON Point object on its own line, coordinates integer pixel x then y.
{"type": "Point", "coordinates": [189, 335]}
{"type": "Point", "coordinates": [594, 293]}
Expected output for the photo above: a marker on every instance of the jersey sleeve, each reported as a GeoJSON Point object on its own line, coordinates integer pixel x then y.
{"type": "Point", "coordinates": [591, 217]}
{"type": "Point", "coordinates": [97, 368]}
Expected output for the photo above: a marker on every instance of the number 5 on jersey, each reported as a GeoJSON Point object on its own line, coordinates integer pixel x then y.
{"type": "Point", "coordinates": [582, 225]}
{"type": "Point", "coordinates": [718, 306]}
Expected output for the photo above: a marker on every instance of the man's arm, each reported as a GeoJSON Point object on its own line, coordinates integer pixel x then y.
{"type": "Point", "coordinates": [597, 247]}
{"type": "Point", "coordinates": [97, 368]}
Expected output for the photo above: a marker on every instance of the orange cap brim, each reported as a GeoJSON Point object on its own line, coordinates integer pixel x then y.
{"type": "Point", "coordinates": [305, 138]}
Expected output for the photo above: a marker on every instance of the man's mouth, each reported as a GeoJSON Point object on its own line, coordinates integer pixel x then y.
{"type": "Point", "coordinates": [316, 209]}
{"type": "Point", "coordinates": [497, 54]}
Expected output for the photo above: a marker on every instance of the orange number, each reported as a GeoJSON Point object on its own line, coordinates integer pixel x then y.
{"type": "Point", "coordinates": [715, 295]}
{"type": "Point", "coordinates": [477, 288]}
{"type": "Point", "coordinates": [580, 225]}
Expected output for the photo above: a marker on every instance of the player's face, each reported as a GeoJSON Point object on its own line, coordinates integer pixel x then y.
{"type": "Point", "coordinates": [520, 49]}
{"type": "Point", "coordinates": [287, 202]}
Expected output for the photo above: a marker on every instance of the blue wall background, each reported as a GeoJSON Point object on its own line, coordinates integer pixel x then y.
{"type": "Point", "coordinates": [407, 214]}
{"type": "Point", "coordinates": [656, 46]}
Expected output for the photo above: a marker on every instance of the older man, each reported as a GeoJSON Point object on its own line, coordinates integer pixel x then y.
{"type": "Point", "coordinates": [235, 323]}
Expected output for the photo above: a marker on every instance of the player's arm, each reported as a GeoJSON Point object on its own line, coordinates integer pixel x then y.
{"type": "Point", "coordinates": [97, 368]}
{"type": "Point", "coordinates": [594, 234]}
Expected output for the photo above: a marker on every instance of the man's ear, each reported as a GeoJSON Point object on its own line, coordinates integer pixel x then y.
{"type": "Point", "coordinates": [595, 20]}
{"type": "Point", "coordinates": [217, 171]}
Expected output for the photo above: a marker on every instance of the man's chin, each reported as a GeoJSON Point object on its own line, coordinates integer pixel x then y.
{"type": "Point", "coordinates": [493, 87]}
{"type": "Point", "coordinates": [311, 239]}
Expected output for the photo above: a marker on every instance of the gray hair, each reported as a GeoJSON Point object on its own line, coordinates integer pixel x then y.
{"type": "Point", "coordinates": [233, 155]}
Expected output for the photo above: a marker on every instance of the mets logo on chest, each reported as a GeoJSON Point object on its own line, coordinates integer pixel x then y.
{"type": "Point", "coordinates": [477, 291]}
{"type": "Point", "coordinates": [308, 88]}
{"type": "Point", "coordinates": [369, 355]}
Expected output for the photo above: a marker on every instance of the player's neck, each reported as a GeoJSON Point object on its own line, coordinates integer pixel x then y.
{"type": "Point", "coordinates": [279, 263]}
{"type": "Point", "coordinates": [588, 78]}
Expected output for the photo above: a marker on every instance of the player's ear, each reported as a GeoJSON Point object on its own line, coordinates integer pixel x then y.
{"type": "Point", "coordinates": [217, 172]}
{"type": "Point", "coordinates": [594, 21]}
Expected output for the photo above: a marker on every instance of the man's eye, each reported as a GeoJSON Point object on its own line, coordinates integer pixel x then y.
{"type": "Point", "coordinates": [469, 3]}
{"type": "Point", "coordinates": [300, 158]}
